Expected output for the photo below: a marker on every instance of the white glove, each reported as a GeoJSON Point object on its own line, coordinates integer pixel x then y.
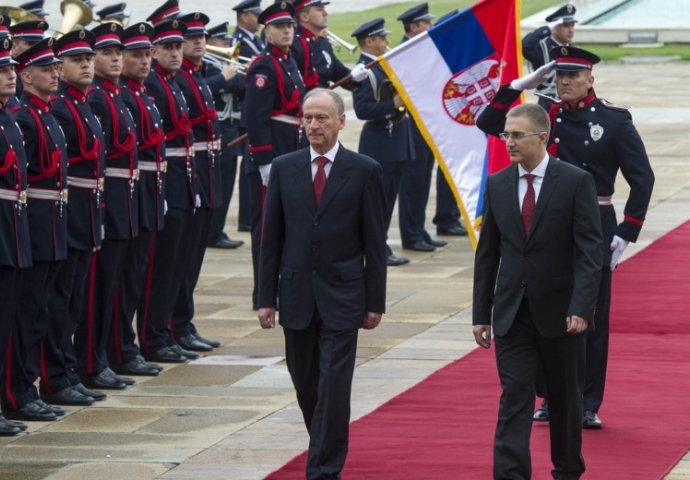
{"type": "Point", "coordinates": [555, 23]}
{"type": "Point", "coordinates": [618, 245]}
{"type": "Point", "coordinates": [359, 72]}
{"type": "Point", "coordinates": [197, 201]}
{"type": "Point", "coordinates": [165, 207]}
{"type": "Point", "coordinates": [534, 79]}
{"type": "Point", "coordinates": [265, 171]}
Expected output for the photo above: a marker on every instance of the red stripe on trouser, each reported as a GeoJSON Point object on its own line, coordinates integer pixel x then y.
{"type": "Point", "coordinates": [116, 323]}
{"type": "Point", "coordinates": [147, 293]}
{"type": "Point", "coordinates": [8, 375]}
{"type": "Point", "coordinates": [44, 369]}
{"type": "Point", "coordinates": [90, 314]}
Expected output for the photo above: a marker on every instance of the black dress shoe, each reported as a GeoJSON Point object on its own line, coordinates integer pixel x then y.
{"type": "Point", "coordinates": [165, 355]}
{"type": "Point", "coordinates": [393, 261]}
{"type": "Point", "coordinates": [541, 414]}
{"type": "Point", "coordinates": [32, 411]}
{"type": "Point", "coordinates": [591, 420]}
{"type": "Point", "coordinates": [190, 342]}
{"type": "Point", "coordinates": [95, 394]}
{"type": "Point", "coordinates": [56, 410]}
{"type": "Point", "coordinates": [223, 241]}
{"type": "Point", "coordinates": [188, 354]}
{"type": "Point", "coordinates": [21, 426]}
{"type": "Point", "coordinates": [105, 379]}
{"type": "Point", "coordinates": [67, 396]}
{"type": "Point", "coordinates": [244, 228]}
{"type": "Point", "coordinates": [136, 366]}
{"type": "Point", "coordinates": [436, 243]}
{"type": "Point", "coordinates": [208, 341]}
{"type": "Point", "coordinates": [8, 428]}
{"type": "Point", "coordinates": [454, 231]}
{"type": "Point", "coordinates": [420, 246]}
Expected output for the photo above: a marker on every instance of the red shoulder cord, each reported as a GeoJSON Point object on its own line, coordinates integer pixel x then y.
{"type": "Point", "coordinates": [206, 114]}
{"type": "Point", "coordinates": [127, 145]}
{"type": "Point", "coordinates": [10, 160]}
{"type": "Point", "coordinates": [294, 102]}
{"type": "Point", "coordinates": [310, 76]}
{"type": "Point", "coordinates": [85, 154]}
{"type": "Point", "coordinates": [49, 162]}
{"type": "Point", "coordinates": [181, 124]}
{"type": "Point", "coordinates": [151, 137]}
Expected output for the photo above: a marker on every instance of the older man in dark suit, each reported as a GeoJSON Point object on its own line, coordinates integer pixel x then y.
{"type": "Point", "coordinates": [323, 256]}
{"type": "Point", "coordinates": [537, 270]}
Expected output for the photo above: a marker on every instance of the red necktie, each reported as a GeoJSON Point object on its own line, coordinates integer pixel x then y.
{"type": "Point", "coordinates": [528, 203]}
{"type": "Point", "coordinates": [319, 178]}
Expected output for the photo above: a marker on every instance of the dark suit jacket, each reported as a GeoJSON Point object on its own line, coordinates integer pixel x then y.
{"type": "Point", "coordinates": [332, 257]}
{"type": "Point", "coordinates": [557, 267]}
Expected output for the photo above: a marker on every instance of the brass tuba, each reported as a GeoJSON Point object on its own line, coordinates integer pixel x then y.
{"type": "Point", "coordinates": [74, 12]}
{"type": "Point", "coordinates": [16, 14]}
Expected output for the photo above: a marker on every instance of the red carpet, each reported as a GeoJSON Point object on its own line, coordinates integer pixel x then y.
{"type": "Point", "coordinates": [443, 427]}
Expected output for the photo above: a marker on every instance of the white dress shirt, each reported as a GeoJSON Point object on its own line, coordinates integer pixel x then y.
{"type": "Point", "coordinates": [330, 155]}
{"type": "Point", "coordinates": [538, 173]}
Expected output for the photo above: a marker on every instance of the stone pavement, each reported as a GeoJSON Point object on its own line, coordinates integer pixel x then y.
{"type": "Point", "coordinates": [232, 414]}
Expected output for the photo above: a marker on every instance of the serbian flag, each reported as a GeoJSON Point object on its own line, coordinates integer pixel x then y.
{"type": "Point", "coordinates": [446, 76]}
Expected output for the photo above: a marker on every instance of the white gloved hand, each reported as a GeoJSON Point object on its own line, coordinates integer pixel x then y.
{"type": "Point", "coordinates": [555, 23]}
{"type": "Point", "coordinates": [359, 72]}
{"type": "Point", "coordinates": [197, 201]}
{"type": "Point", "coordinates": [165, 207]}
{"type": "Point", "coordinates": [534, 79]}
{"type": "Point", "coordinates": [265, 171]}
{"type": "Point", "coordinates": [618, 245]}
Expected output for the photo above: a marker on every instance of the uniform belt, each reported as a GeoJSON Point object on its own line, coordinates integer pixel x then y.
{"type": "Point", "coordinates": [287, 119]}
{"type": "Point", "coordinates": [604, 201]}
{"type": "Point", "coordinates": [153, 166]}
{"type": "Point", "coordinates": [122, 173]}
{"type": "Point", "coordinates": [203, 146]}
{"type": "Point", "coordinates": [13, 195]}
{"type": "Point", "coordinates": [47, 194]}
{"type": "Point", "coordinates": [90, 183]}
{"type": "Point", "coordinates": [178, 151]}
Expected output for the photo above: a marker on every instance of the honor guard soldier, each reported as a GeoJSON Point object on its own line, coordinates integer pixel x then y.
{"type": "Point", "coordinates": [25, 35]}
{"type": "Point", "coordinates": [538, 45]}
{"type": "Point", "coordinates": [600, 138]}
{"type": "Point", "coordinates": [35, 7]}
{"type": "Point", "coordinates": [250, 45]}
{"type": "Point", "coordinates": [313, 51]}
{"type": "Point", "coordinates": [274, 98]}
{"type": "Point", "coordinates": [205, 129]}
{"type": "Point", "coordinates": [85, 178]}
{"type": "Point", "coordinates": [120, 209]}
{"type": "Point", "coordinates": [15, 251]}
{"type": "Point", "coordinates": [47, 215]}
{"type": "Point", "coordinates": [386, 136]}
{"type": "Point", "coordinates": [171, 245]}
{"type": "Point", "coordinates": [227, 87]}
{"type": "Point", "coordinates": [124, 355]}
{"type": "Point", "coordinates": [114, 14]}
{"type": "Point", "coordinates": [416, 175]}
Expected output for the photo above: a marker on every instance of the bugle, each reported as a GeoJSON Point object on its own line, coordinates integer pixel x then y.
{"type": "Point", "coordinates": [339, 43]}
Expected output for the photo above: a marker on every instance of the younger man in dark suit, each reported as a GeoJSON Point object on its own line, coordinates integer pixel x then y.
{"type": "Point", "coordinates": [323, 255]}
{"type": "Point", "coordinates": [536, 277]}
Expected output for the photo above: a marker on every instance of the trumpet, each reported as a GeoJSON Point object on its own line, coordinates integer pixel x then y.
{"type": "Point", "coordinates": [339, 43]}
{"type": "Point", "coordinates": [229, 55]}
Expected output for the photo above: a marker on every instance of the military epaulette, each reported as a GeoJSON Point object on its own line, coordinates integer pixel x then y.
{"type": "Point", "coordinates": [613, 106]}
{"type": "Point", "coordinates": [546, 97]}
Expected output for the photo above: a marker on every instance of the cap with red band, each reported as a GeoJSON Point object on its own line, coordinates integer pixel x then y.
{"type": "Point", "coordinates": [5, 57]}
{"type": "Point", "coordinates": [32, 31]}
{"type": "Point", "coordinates": [170, 9]}
{"type": "Point", "coordinates": [169, 31]}
{"type": "Point", "coordinates": [196, 23]}
{"type": "Point", "coordinates": [277, 13]}
{"type": "Point", "coordinates": [37, 55]}
{"type": "Point", "coordinates": [573, 59]}
{"type": "Point", "coordinates": [138, 36]}
{"type": "Point", "coordinates": [108, 35]}
{"type": "Point", "coordinates": [76, 42]}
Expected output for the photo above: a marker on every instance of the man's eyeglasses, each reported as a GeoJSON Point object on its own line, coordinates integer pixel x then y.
{"type": "Point", "coordinates": [505, 136]}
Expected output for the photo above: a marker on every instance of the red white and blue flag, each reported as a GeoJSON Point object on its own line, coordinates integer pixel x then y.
{"type": "Point", "coordinates": [447, 76]}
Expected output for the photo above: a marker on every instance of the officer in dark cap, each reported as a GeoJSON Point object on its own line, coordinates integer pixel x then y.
{"type": "Point", "coordinates": [251, 45]}
{"type": "Point", "coordinates": [600, 138]}
{"type": "Point", "coordinates": [167, 11]}
{"type": "Point", "coordinates": [85, 177]}
{"type": "Point", "coordinates": [124, 355]}
{"type": "Point", "coordinates": [172, 244]}
{"type": "Point", "coordinates": [274, 91]}
{"type": "Point", "coordinates": [227, 87]}
{"type": "Point", "coordinates": [35, 7]}
{"type": "Point", "coordinates": [387, 135]}
{"type": "Point", "coordinates": [114, 13]}
{"type": "Point", "coordinates": [537, 45]}
{"type": "Point", "coordinates": [416, 175]}
{"type": "Point", "coordinates": [15, 244]}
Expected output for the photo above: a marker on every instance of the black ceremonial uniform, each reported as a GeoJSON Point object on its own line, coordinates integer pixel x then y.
{"type": "Point", "coordinates": [205, 125]}
{"type": "Point", "coordinates": [274, 98]}
{"type": "Point", "coordinates": [316, 60]}
{"type": "Point", "coordinates": [151, 191]}
{"type": "Point", "coordinates": [387, 141]}
{"type": "Point", "coordinates": [121, 224]}
{"type": "Point", "coordinates": [600, 138]}
{"type": "Point", "coordinates": [536, 46]}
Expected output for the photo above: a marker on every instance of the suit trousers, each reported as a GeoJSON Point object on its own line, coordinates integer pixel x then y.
{"type": "Point", "coordinates": [321, 364]}
{"type": "Point", "coordinates": [447, 211]}
{"type": "Point", "coordinates": [30, 327]}
{"type": "Point", "coordinates": [414, 196]}
{"type": "Point", "coordinates": [128, 291]}
{"type": "Point", "coordinates": [58, 358]}
{"type": "Point", "coordinates": [244, 217]}
{"type": "Point", "coordinates": [563, 360]}
{"type": "Point", "coordinates": [255, 214]}
{"type": "Point", "coordinates": [228, 173]}
{"type": "Point", "coordinates": [183, 312]}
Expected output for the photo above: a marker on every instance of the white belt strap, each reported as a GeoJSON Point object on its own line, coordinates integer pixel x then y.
{"type": "Point", "coordinates": [122, 173]}
{"type": "Point", "coordinates": [203, 146]}
{"type": "Point", "coordinates": [13, 195]}
{"type": "Point", "coordinates": [147, 166]}
{"type": "Point", "coordinates": [287, 119]}
{"type": "Point", "coordinates": [178, 151]}
{"type": "Point", "coordinates": [90, 183]}
{"type": "Point", "coordinates": [604, 201]}
{"type": "Point", "coordinates": [47, 194]}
